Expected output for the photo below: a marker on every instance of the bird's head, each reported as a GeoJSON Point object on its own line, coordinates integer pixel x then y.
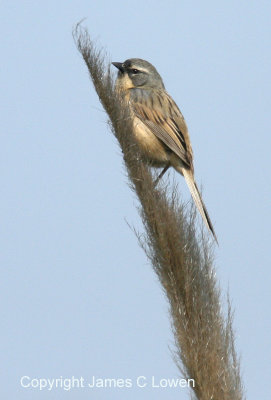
{"type": "Point", "coordinates": [136, 73]}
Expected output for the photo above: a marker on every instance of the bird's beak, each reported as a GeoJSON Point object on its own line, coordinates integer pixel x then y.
{"type": "Point", "coordinates": [119, 66]}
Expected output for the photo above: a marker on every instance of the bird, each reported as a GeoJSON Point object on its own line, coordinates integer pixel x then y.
{"type": "Point", "coordinates": [159, 127]}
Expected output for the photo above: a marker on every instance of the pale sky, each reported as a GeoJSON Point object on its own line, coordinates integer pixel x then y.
{"type": "Point", "coordinates": [78, 296]}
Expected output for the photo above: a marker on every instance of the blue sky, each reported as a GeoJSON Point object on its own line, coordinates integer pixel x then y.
{"type": "Point", "coordinates": [78, 297]}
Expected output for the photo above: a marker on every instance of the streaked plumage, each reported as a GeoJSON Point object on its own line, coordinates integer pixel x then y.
{"type": "Point", "coordinates": [159, 126]}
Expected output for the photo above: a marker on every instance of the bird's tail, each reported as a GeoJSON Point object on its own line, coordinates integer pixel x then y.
{"type": "Point", "coordinates": [189, 178]}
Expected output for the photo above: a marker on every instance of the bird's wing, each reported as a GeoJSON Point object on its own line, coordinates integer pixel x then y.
{"type": "Point", "coordinates": [158, 111]}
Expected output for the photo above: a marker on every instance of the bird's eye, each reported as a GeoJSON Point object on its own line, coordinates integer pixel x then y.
{"type": "Point", "coordinates": [135, 71]}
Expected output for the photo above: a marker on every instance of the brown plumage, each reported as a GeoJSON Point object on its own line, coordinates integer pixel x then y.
{"type": "Point", "coordinates": [159, 126]}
